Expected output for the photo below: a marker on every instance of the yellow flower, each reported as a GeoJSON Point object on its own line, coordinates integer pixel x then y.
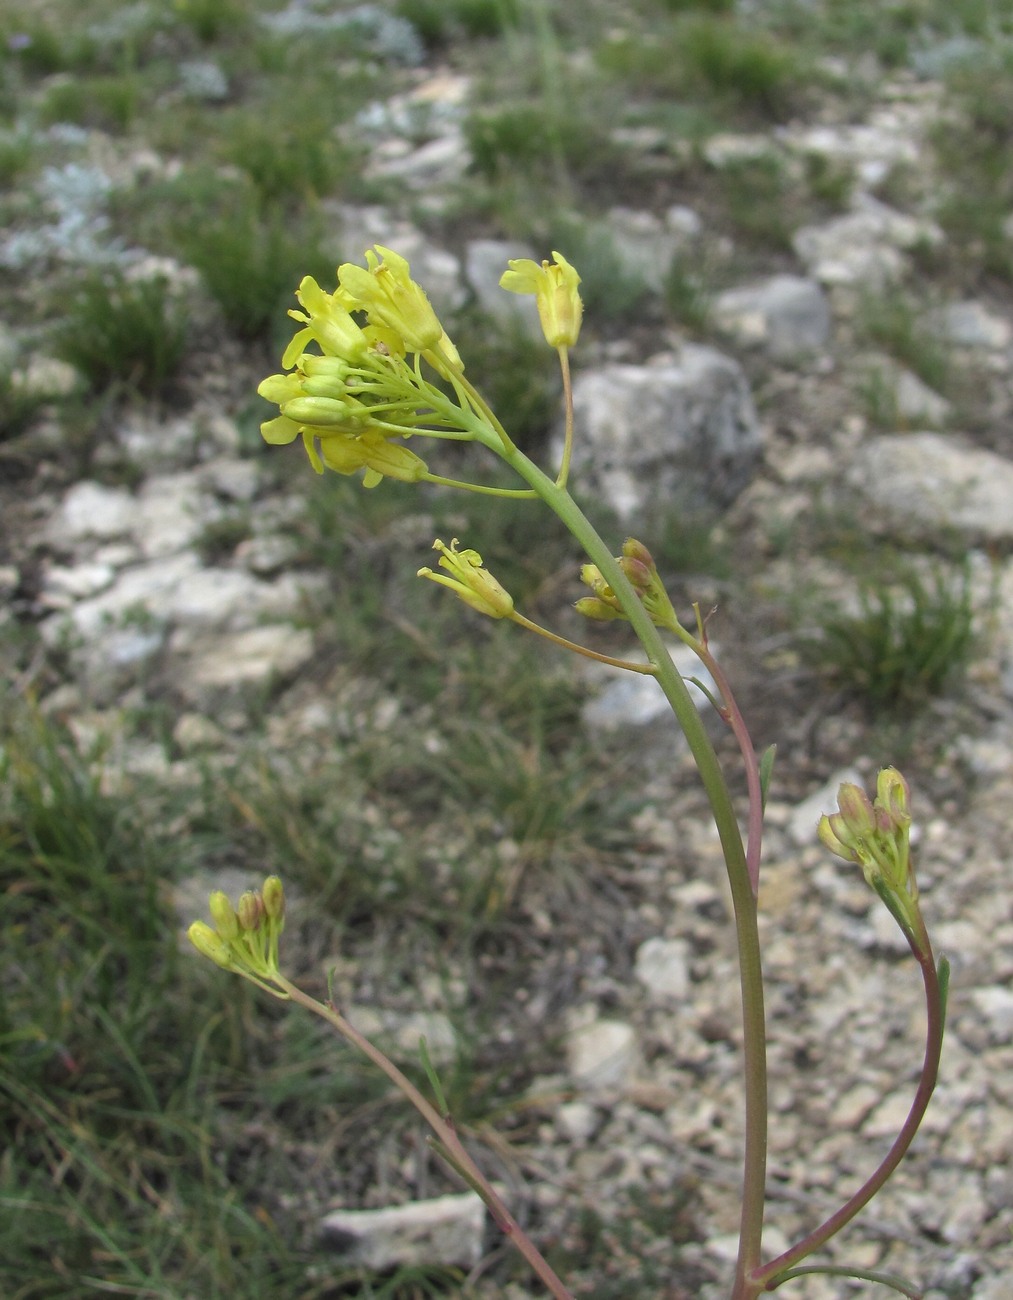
{"type": "Point", "coordinates": [386, 459]}
{"type": "Point", "coordinates": [328, 323]}
{"type": "Point", "coordinates": [385, 291]}
{"type": "Point", "coordinates": [555, 288]}
{"type": "Point", "coordinates": [470, 581]}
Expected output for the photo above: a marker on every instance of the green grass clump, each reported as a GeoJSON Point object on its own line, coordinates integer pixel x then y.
{"type": "Point", "coordinates": [686, 294]}
{"type": "Point", "coordinates": [16, 155]}
{"type": "Point", "coordinates": [895, 323]}
{"type": "Point", "coordinates": [756, 194]}
{"type": "Point", "coordinates": [106, 103]}
{"type": "Point", "coordinates": [124, 333]}
{"type": "Point", "coordinates": [750, 69]}
{"type": "Point", "coordinates": [111, 1050]}
{"type": "Point", "coordinates": [974, 159]}
{"type": "Point", "coordinates": [439, 21]}
{"type": "Point", "coordinates": [699, 6]}
{"type": "Point", "coordinates": [251, 261]}
{"type": "Point", "coordinates": [535, 139]}
{"type": "Point", "coordinates": [910, 639]}
{"type": "Point", "coordinates": [286, 164]}
{"type": "Point", "coordinates": [211, 20]}
{"type": "Point", "coordinates": [712, 59]}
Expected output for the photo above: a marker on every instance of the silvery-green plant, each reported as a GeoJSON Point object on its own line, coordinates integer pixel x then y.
{"type": "Point", "coordinates": [371, 368]}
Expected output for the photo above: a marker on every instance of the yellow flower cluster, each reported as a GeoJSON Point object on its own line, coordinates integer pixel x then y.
{"type": "Point", "coordinates": [350, 400]}
{"type": "Point", "coordinates": [354, 399]}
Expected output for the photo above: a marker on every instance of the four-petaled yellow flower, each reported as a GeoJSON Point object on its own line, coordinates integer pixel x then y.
{"type": "Point", "coordinates": [385, 291]}
{"type": "Point", "coordinates": [328, 323]}
{"type": "Point", "coordinates": [555, 288]}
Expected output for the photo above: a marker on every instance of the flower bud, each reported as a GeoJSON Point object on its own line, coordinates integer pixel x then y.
{"type": "Point", "coordinates": [634, 550]}
{"type": "Point", "coordinates": [390, 459]}
{"type": "Point", "coordinates": [593, 608]}
{"type": "Point", "coordinates": [210, 944]}
{"type": "Point", "coordinates": [638, 574]}
{"type": "Point", "coordinates": [856, 811]}
{"type": "Point", "coordinates": [322, 413]}
{"type": "Point", "coordinates": [224, 916]}
{"type": "Point", "coordinates": [273, 894]}
{"type": "Point", "coordinates": [250, 910]}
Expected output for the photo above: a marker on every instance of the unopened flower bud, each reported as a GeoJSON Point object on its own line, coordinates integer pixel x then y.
{"type": "Point", "coordinates": [321, 412]}
{"type": "Point", "coordinates": [273, 894]}
{"type": "Point", "coordinates": [250, 910]}
{"type": "Point", "coordinates": [209, 943]}
{"type": "Point", "coordinates": [893, 794]}
{"type": "Point", "coordinates": [638, 574]}
{"type": "Point", "coordinates": [224, 915]}
{"type": "Point", "coordinates": [856, 811]}
{"type": "Point", "coordinates": [634, 550]}
{"type": "Point", "coordinates": [593, 608]}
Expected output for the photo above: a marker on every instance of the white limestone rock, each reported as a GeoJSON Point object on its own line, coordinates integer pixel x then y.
{"type": "Point", "coordinates": [446, 1230]}
{"type": "Point", "coordinates": [787, 316]}
{"type": "Point", "coordinates": [681, 430]}
{"type": "Point", "coordinates": [920, 486]}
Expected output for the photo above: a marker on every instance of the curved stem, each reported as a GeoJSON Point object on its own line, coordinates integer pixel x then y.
{"type": "Point", "coordinates": [446, 1134]}
{"type": "Point", "coordinates": [562, 641]}
{"type": "Point", "coordinates": [743, 898]}
{"type": "Point", "coordinates": [734, 718]}
{"type": "Point", "coordinates": [524, 494]}
{"type": "Point", "coordinates": [771, 1274]}
{"type": "Point", "coordinates": [860, 1274]}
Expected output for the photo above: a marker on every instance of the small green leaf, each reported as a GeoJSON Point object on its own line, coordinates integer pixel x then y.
{"type": "Point", "coordinates": [433, 1077]}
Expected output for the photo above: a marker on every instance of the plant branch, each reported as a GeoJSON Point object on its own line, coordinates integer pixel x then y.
{"type": "Point", "coordinates": [772, 1274]}
{"type": "Point", "coordinates": [743, 897]}
{"type": "Point", "coordinates": [447, 1141]}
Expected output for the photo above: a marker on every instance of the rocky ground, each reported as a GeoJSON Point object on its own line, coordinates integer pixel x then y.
{"type": "Point", "coordinates": [759, 417]}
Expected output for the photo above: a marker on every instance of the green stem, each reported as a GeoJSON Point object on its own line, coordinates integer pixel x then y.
{"type": "Point", "coordinates": [733, 715]}
{"type": "Point", "coordinates": [521, 621]}
{"type": "Point", "coordinates": [525, 494]}
{"type": "Point", "coordinates": [564, 464]}
{"type": "Point", "coordinates": [743, 898]}
{"type": "Point", "coordinates": [859, 1274]}
{"type": "Point", "coordinates": [446, 1134]}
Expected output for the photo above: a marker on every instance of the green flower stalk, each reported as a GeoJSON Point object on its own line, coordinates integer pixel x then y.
{"type": "Point", "coordinates": [244, 940]}
{"type": "Point", "coordinates": [370, 367]}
